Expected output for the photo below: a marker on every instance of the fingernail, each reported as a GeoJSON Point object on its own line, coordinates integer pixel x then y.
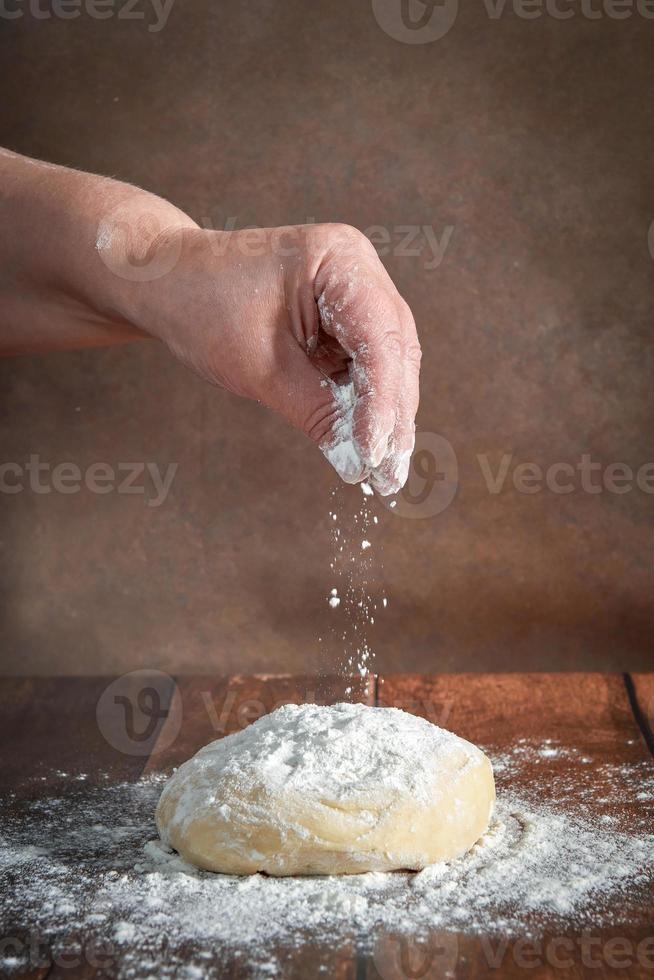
{"type": "Point", "coordinates": [391, 477]}
{"type": "Point", "coordinates": [377, 452]}
{"type": "Point", "coordinates": [402, 467]}
{"type": "Point", "coordinates": [345, 459]}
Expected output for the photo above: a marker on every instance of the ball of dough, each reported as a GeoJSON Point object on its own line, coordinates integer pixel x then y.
{"type": "Point", "coordinates": [328, 790]}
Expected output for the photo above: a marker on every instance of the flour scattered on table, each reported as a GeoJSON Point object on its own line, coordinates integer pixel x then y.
{"type": "Point", "coordinates": [89, 866]}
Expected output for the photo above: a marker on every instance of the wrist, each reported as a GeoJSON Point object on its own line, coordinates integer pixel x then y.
{"type": "Point", "coordinates": [138, 240]}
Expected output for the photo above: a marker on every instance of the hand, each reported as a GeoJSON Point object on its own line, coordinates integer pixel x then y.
{"type": "Point", "coordinates": [306, 320]}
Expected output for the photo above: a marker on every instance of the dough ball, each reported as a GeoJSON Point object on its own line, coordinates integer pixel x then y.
{"type": "Point", "coordinates": [328, 790]}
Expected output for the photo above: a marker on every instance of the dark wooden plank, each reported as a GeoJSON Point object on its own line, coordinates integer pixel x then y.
{"type": "Point", "coordinates": [52, 728]}
{"type": "Point", "coordinates": [589, 715]}
{"type": "Point", "coordinates": [642, 691]}
{"type": "Point", "coordinates": [565, 955]}
{"type": "Point", "coordinates": [60, 724]}
{"type": "Point", "coordinates": [496, 709]}
{"type": "Point", "coordinates": [59, 736]}
{"type": "Point", "coordinates": [213, 707]}
{"type": "Point", "coordinates": [299, 962]}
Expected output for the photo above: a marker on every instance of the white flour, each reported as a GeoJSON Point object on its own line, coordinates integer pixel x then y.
{"type": "Point", "coordinates": [389, 466]}
{"type": "Point", "coordinates": [357, 566]}
{"type": "Point", "coordinates": [346, 754]}
{"type": "Point", "coordinates": [90, 866]}
{"type": "Point", "coordinates": [341, 450]}
{"type": "Point", "coordinates": [310, 788]}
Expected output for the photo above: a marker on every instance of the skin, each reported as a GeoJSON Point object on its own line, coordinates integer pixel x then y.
{"type": "Point", "coordinates": [276, 314]}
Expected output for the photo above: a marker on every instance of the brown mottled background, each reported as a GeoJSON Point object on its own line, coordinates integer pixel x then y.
{"type": "Point", "coordinates": [533, 139]}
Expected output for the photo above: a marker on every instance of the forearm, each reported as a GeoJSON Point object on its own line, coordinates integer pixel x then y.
{"type": "Point", "coordinates": [286, 318]}
{"type": "Point", "coordinates": [75, 251]}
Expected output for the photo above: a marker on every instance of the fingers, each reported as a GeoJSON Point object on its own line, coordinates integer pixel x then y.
{"type": "Point", "coordinates": [391, 475]}
{"type": "Point", "coordinates": [339, 447]}
{"type": "Point", "coordinates": [320, 406]}
{"type": "Point", "coordinates": [352, 385]}
{"type": "Point", "coordinates": [359, 310]}
{"type": "Point", "coordinates": [360, 307]}
{"type": "Point", "coordinates": [330, 358]}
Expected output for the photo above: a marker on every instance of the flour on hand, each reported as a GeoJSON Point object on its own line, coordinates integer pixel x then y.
{"type": "Point", "coordinates": [341, 448]}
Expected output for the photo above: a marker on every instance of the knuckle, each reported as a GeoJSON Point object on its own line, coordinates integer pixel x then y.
{"type": "Point", "coordinates": [390, 342]}
{"type": "Point", "coordinates": [347, 232]}
{"type": "Point", "coordinates": [343, 236]}
{"type": "Point", "coordinates": [320, 422]}
{"type": "Point", "coordinates": [413, 354]}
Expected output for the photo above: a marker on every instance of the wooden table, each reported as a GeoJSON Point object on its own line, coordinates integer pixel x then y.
{"type": "Point", "coordinates": [114, 730]}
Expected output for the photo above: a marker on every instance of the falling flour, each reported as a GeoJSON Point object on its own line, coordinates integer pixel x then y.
{"type": "Point", "coordinates": [88, 865]}
{"type": "Point", "coordinates": [356, 564]}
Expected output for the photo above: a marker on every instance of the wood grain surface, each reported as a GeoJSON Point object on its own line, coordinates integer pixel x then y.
{"type": "Point", "coordinates": [73, 726]}
{"type": "Point", "coordinates": [591, 713]}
